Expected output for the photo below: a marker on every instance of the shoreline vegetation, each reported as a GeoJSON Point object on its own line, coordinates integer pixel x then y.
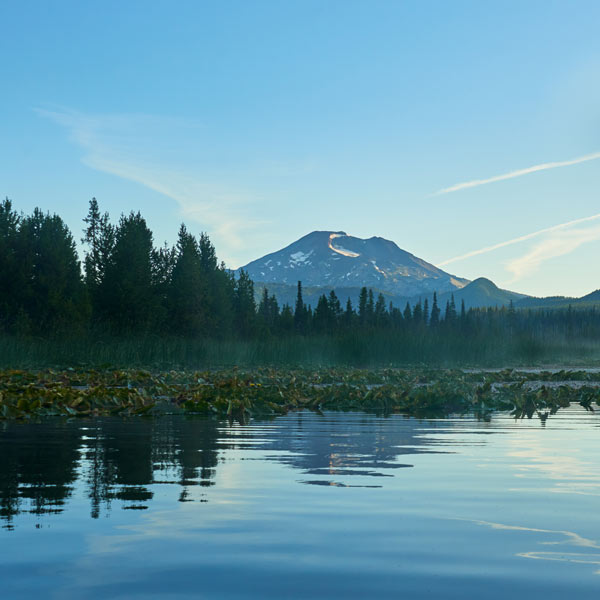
{"type": "Point", "coordinates": [240, 395]}
{"type": "Point", "coordinates": [74, 339]}
{"type": "Point", "coordinates": [376, 349]}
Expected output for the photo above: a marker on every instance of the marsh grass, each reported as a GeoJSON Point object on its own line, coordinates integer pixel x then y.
{"type": "Point", "coordinates": [352, 350]}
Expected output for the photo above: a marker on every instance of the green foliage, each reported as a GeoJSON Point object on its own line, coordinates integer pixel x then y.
{"type": "Point", "coordinates": [42, 291]}
{"type": "Point", "coordinates": [239, 394]}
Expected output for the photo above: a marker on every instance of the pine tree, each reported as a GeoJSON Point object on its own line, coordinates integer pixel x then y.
{"type": "Point", "coordinates": [370, 308]}
{"type": "Point", "coordinates": [53, 297]}
{"type": "Point", "coordinates": [417, 315]}
{"type": "Point", "coordinates": [435, 312]}
{"type": "Point", "coordinates": [268, 311]}
{"type": "Point", "coordinates": [447, 317]}
{"type": "Point", "coordinates": [187, 290]}
{"type": "Point", "coordinates": [12, 277]}
{"type": "Point", "coordinates": [349, 315]}
{"type": "Point", "coordinates": [220, 290]}
{"type": "Point", "coordinates": [322, 318]}
{"type": "Point", "coordinates": [129, 300]}
{"type": "Point", "coordinates": [99, 236]}
{"type": "Point", "coordinates": [164, 260]}
{"type": "Point", "coordinates": [450, 314]}
{"type": "Point", "coordinates": [244, 307]}
{"type": "Point", "coordinates": [380, 316]}
{"type": "Point", "coordinates": [286, 319]}
{"type": "Point", "coordinates": [335, 307]}
{"type": "Point", "coordinates": [362, 306]}
{"type": "Point", "coordinates": [300, 313]}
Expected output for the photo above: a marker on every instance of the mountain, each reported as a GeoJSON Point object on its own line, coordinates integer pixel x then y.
{"type": "Point", "coordinates": [592, 297]}
{"type": "Point", "coordinates": [335, 260]}
{"type": "Point", "coordinates": [479, 293]}
{"type": "Point", "coordinates": [332, 260]}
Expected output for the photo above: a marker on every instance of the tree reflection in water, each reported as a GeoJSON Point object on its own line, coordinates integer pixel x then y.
{"type": "Point", "coordinates": [115, 459]}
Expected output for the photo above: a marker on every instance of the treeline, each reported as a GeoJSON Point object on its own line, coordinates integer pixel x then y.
{"type": "Point", "coordinates": [421, 320]}
{"type": "Point", "coordinates": [129, 288]}
{"type": "Point", "coordinates": [127, 285]}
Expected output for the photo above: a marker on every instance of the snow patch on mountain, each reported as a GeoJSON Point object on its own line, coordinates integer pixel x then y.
{"type": "Point", "coordinates": [300, 257]}
{"type": "Point", "coordinates": [340, 250]}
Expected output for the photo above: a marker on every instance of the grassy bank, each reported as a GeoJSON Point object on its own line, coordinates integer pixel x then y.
{"type": "Point", "coordinates": [350, 350]}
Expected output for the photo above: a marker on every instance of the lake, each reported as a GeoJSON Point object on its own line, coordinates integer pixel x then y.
{"type": "Point", "coordinates": [334, 505]}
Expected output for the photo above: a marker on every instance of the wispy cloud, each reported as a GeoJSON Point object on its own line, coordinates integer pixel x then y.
{"type": "Point", "coordinates": [142, 148]}
{"type": "Point", "coordinates": [518, 173]}
{"type": "Point", "coordinates": [558, 244]}
{"type": "Point", "coordinates": [517, 240]}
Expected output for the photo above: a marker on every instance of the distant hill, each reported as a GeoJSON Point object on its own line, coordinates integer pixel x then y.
{"type": "Point", "coordinates": [587, 301]}
{"type": "Point", "coordinates": [479, 293]}
{"type": "Point", "coordinates": [592, 297]}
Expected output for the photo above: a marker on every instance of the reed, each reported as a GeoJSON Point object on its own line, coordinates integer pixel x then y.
{"type": "Point", "coordinates": [377, 349]}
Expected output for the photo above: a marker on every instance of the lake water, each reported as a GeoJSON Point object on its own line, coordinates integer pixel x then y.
{"type": "Point", "coordinates": [304, 506]}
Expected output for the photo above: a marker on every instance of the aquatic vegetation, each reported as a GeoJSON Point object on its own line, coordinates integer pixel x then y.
{"type": "Point", "coordinates": [242, 394]}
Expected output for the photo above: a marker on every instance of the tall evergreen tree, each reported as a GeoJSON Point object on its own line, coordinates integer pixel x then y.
{"type": "Point", "coordinates": [349, 315]}
{"type": "Point", "coordinates": [99, 237]}
{"type": "Point", "coordinates": [362, 306]}
{"type": "Point", "coordinates": [322, 318]}
{"type": "Point", "coordinates": [370, 307]}
{"type": "Point", "coordinates": [187, 291]}
{"type": "Point", "coordinates": [53, 297]}
{"type": "Point", "coordinates": [220, 289]}
{"type": "Point", "coordinates": [417, 315]}
{"type": "Point", "coordinates": [286, 319]}
{"type": "Point", "coordinates": [380, 316]}
{"type": "Point", "coordinates": [129, 301]}
{"type": "Point", "coordinates": [435, 312]}
{"type": "Point", "coordinates": [300, 312]}
{"type": "Point", "coordinates": [244, 306]}
{"type": "Point", "coordinates": [12, 277]}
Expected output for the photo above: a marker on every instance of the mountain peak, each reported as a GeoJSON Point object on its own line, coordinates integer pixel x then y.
{"type": "Point", "coordinates": [483, 282]}
{"type": "Point", "coordinates": [336, 259]}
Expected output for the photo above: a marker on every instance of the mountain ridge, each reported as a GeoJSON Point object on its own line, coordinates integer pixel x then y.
{"type": "Point", "coordinates": [335, 259]}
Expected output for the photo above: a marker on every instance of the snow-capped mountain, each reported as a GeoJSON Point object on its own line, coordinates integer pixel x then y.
{"type": "Point", "coordinates": [337, 260]}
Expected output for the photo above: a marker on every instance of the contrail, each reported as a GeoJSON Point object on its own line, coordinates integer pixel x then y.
{"type": "Point", "coordinates": [518, 173]}
{"type": "Point", "coordinates": [519, 239]}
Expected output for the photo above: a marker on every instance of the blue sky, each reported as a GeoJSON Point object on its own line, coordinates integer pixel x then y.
{"type": "Point", "coordinates": [259, 122]}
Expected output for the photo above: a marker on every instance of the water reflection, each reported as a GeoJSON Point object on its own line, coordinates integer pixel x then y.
{"type": "Point", "coordinates": [38, 468]}
{"type": "Point", "coordinates": [112, 459]}
{"type": "Point", "coordinates": [124, 460]}
{"type": "Point", "coordinates": [565, 538]}
{"type": "Point", "coordinates": [304, 506]}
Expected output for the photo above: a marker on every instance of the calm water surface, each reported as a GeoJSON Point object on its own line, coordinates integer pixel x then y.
{"type": "Point", "coordinates": [305, 506]}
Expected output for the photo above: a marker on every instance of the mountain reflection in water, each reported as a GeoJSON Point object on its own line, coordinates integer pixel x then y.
{"type": "Point", "coordinates": [124, 459]}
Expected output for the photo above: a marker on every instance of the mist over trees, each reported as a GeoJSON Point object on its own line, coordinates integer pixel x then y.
{"type": "Point", "coordinates": [128, 287]}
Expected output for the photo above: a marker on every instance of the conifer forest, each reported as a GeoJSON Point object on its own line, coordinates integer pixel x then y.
{"type": "Point", "coordinates": [131, 301]}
